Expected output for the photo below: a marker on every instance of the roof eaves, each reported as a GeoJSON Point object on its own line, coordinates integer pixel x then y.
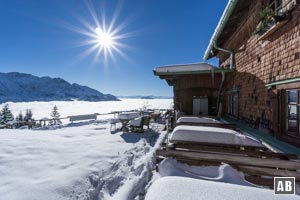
{"type": "Point", "coordinates": [220, 27]}
{"type": "Point", "coordinates": [192, 72]}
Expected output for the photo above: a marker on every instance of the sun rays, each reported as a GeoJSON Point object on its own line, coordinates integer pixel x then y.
{"type": "Point", "coordinates": [104, 39]}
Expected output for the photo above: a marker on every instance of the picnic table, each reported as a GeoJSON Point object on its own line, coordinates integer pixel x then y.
{"type": "Point", "coordinates": [126, 117]}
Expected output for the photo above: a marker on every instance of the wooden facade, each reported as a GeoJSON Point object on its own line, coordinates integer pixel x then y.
{"type": "Point", "coordinates": [188, 86]}
{"type": "Point", "coordinates": [264, 90]}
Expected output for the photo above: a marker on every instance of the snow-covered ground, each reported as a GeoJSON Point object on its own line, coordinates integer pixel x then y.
{"type": "Point", "coordinates": [77, 161]}
{"type": "Point", "coordinates": [67, 108]}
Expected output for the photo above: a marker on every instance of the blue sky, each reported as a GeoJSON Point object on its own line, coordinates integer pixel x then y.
{"type": "Point", "coordinates": [40, 37]}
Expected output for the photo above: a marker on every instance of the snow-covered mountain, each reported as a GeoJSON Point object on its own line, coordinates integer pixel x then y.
{"type": "Point", "coordinates": [18, 87]}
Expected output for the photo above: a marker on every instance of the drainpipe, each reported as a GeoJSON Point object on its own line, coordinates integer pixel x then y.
{"type": "Point", "coordinates": [232, 66]}
{"type": "Point", "coordinates": [219, 93]}
{"type": "Point", "coordinates": [232, 56]}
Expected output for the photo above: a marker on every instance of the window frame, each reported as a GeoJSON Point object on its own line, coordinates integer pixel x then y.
{"type": "Point", "coordinates": [233, 104]}
{"type": "Point", "coordinates": [286, 102]}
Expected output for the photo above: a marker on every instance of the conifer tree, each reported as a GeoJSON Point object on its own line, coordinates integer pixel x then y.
{"type": "Point", "coordinates": [28, 115]}
{"type": "Point", "coordinates": [6, 115]}
{"type": "Point", "coordinates": [20, 117]}
{"type": "Point", "coordinates": [55, 117]}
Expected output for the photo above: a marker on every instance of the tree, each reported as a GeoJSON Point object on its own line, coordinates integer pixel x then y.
{"type": "Point", "coordinates": [55, 117]}
{"type": "Point", "coordinates": [28, 115]}
{"type": "Point", "coordinates": [20, 117]}
{"type": "Point", "coordinates": [6, 115]}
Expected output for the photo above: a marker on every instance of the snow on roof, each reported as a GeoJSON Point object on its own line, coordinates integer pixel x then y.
{"type": "Point", "coordinates": [212, 135]}
{"type": "Point", "coordinates": [221, 24]}
{"type": "Point", "coordinates": [178, 188]}
{"type": "Point", "coordinates": [180, 68]}
{"type": "Point", "coordinates": [197, 120]}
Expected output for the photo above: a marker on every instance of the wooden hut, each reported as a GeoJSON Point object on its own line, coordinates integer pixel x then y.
{"type": "Point", "coordinates": [262, 37]}
{"type": "Point", "coordinates": [196, 87]}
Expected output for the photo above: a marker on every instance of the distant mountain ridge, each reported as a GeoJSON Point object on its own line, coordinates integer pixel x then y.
{"type": "Point", "coordinates": [20, 87]}
{"type": "Point", "coordinates": [145, 97]}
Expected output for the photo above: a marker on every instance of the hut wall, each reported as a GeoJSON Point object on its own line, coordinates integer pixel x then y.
{"type": "Point", "coordinates": [259, 62]}
{"type": "Point", "coordinates": [188, 86]}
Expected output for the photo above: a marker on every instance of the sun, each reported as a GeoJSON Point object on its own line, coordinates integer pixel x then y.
{"type": "Point", "coordinates": [104, 39]}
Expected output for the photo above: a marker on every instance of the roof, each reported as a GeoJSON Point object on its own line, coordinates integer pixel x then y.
{"type": "Point", "coordinates": [233, 13]}
{"type": "Point", "coordinates": [185, 69]}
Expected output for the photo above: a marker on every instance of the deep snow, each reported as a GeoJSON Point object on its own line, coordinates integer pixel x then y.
{"type": "Point", "coordinates": [66, 162]}
{"type": "Point", "coordinates": [84, 160]}
{"type": "Point", "coordinates": [183, 188]}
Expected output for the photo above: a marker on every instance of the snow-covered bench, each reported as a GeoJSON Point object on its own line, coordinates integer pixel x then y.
{"type": "Point", "coordinates": [198, 145]}
{"type": "Point", "coordinates": [74, 118]}
{"type": "Point", "coordinates": [204, 121]}
{"type": "Point", "coordinates": [197, 120]}
{"type": "Point", "coordinates": [212, 135]}
{"type": "Point", "coordinates": [178, 188]}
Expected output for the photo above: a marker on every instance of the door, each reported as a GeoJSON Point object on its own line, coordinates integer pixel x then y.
{"type": "Point", "coordinates": [200, 106]}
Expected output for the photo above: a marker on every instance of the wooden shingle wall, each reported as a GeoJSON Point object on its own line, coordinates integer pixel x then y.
{"type": "Point", "coordinates": [261, 62]}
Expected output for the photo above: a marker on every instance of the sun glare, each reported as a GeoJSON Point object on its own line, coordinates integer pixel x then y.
{"type": "Point", "coordinates": [104, 39]}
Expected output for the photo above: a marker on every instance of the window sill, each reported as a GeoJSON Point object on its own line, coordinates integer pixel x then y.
{"type": "Point", "coordinates": [272, 30]}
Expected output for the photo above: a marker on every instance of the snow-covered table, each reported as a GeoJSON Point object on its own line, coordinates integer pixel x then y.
{"type": "Point", "coordinates": [126, 117]}
{"type": "Point", "coordinates": [178, 188]}
{"type": "Point", "coordinates": [214, 135]}
{"type": "Point", "coordinates": [197, 120]}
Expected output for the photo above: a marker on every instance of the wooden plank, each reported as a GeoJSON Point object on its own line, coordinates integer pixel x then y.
{"type": "Point", "coordinates": [199, 162]}
{"type": "Point", "coordinates": [176, 142]}
{"type": "Point", "coordinates": [217, 125]}
{"type": "Point", "coordinates": [260, 181]}
{"type": "Point", "coordinates": [231, 159]}
{"type": "Point", "coordinates": [269, 172]}
{"type": "Point", "coordinates": [253, 153]}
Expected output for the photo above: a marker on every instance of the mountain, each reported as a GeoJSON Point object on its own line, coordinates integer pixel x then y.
{"type": "Point", "coordinates": [145, 97]}
{"type": "Point", "coordinates": [20, 87]}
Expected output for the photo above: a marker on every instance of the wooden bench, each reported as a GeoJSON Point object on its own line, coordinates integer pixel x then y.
{"type": "Point", "coordinates": [260, 165]}
{"type": "Point", "coordinates": [74, 118]}
{"type": "Point", "coordinates": [219, 125]}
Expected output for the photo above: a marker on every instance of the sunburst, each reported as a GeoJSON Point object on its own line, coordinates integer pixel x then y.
{"type": "Point", "coordinates": [103, 39]}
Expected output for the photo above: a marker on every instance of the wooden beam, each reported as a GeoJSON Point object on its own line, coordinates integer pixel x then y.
{"type": "Point", "coordinates": [233, 146]}
{"type": "Point", "coordinates": [231, 159]}
{"type": "Point", "coordinates": [260, 181]}
{"type": "Point", "coordinates": [252, 153]}
{"type": "Point", "coordinates": [269, 172]}
{"type": "Point", "coordinates": [218, 125]}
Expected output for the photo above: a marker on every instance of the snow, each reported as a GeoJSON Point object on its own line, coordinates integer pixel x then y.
{"type": "Point", "coordinates": [223, 173]}
{"type": "Point", "coordinates": [83, 160]}
{"type": "Point", "coordinates": [55, 164]}
{"type": "Point", "coordinates": [197, 120]}
{"type": "Point", "coordinates": [185, 68]}
{"type": "Point", "coordinates": [212, 135]}
{"type": "Point", "coordinates": [129, 115]}
{"type": "Point", "coordinates": [179, 188]}
{"type": "Point", "coordinates": [69, 108]}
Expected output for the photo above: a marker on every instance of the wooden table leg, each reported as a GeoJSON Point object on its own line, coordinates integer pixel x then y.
{"type": "Point", "coordinates": [124, 124]}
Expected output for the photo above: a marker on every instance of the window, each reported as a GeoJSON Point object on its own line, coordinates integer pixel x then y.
{"type": "Point", "coordinates": [232, 107]}
{"type": "Point", "coordinates": [292, 111]}
{"type": "Point", "coordinates": [276, 6]}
